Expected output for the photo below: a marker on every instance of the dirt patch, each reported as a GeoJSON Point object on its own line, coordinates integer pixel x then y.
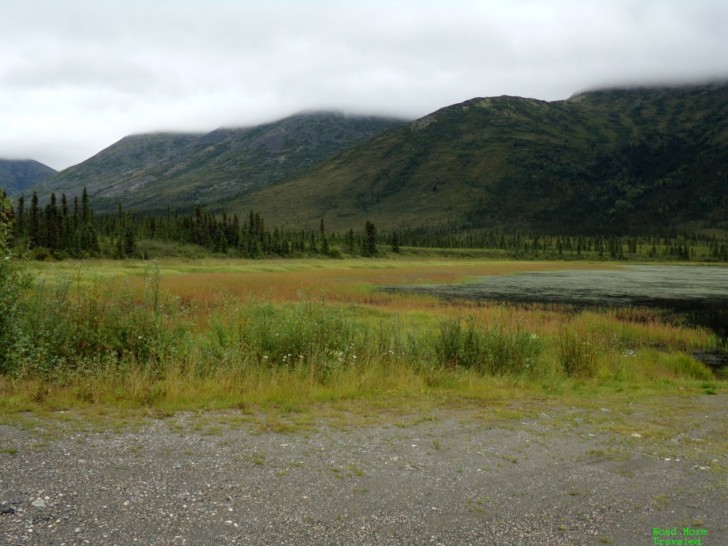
{"type": "Point", "coordinates": [563, 475]}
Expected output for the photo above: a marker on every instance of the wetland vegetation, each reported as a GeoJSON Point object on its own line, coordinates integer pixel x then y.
{"type": "Point", "coordinates": [290, 335]}
{"type": "Point", "coordinates": [696, 294]}
{"type": "Point", "coordinates": [297, 333]}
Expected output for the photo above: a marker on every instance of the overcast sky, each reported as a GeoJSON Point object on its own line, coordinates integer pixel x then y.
{"type": "Point", "coordinates": [76, 76]}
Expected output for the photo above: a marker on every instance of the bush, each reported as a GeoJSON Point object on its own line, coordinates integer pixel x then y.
{"type": "Point", "coordinates": [498, 349]}
{"type": "Point", "coordinates": [41, 254]}
{"type": "Point", "coordinates": [310, 333]}
{"type": "Point", "coordinates": [63, 332]}
{"type": "Point", "coordinates": [12, 284]}
{"type": "Point", "coordinates": [577, 353]}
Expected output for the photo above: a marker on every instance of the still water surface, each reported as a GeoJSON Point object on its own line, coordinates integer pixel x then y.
{"type": "Point", "coordinates": [699, 293]}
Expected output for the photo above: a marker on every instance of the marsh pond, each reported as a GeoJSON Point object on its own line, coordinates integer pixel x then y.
{"type": "Point", "coordinates": [696, 294]}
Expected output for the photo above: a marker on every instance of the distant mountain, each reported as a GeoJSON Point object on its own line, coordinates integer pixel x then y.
{"type": "Point", "coordinates": [153, 171]}
{"type": "Point", "coordinates": [620, 160]}
{"type": "Point", "coordinates": [616, 160]}
{"type": "Point", "coordinates": [16, 176]}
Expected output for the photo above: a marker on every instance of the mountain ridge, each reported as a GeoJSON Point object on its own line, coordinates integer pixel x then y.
{"type": "Point", "coordinates": [17, 175]}
{"type": "Point", "coordinates": [149, 171]}
{"type": "Point", "coordinates": [625, 160]}
{"type": "Point", "coordinates": [618, 160]}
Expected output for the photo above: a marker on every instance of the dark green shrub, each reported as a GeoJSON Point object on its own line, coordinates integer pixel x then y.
{"type": "Point", "coordinates": [12, 284]}
{"type": "Point", "coordinates": [64, 330]}
{"type": "Point", "coordinates": [495, 349]}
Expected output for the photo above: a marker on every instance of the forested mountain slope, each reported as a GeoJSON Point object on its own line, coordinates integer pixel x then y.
{"type": "Point", "coordinates": [620, 160]}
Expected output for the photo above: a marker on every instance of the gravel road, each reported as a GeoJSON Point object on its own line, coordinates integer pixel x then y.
{"type": "Point", "coordinates": [558, 476]}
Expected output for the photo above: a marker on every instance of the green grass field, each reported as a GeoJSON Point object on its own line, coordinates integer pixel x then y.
{"type": "Point", "coordinates": [305, 337]}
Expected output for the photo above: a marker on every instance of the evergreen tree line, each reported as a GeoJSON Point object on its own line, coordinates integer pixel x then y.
{"type": "Point", "coordinates": [75, 231]}
{"type": "Point", "coordinates": [57, 227]}
{"type": "Point", "coordinates": [72, 229]}
{"type": "Point", "coordinates": [676, 246]}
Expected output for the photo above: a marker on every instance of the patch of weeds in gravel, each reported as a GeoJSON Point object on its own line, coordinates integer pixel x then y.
{"type": "Point", "coordinates": [709, 388]}
{"type": "Point", "coordinates": [615, 454]}
{"type": "Point", "coordinates": [510, 458]}
{"type": "Point", "coordinates": [258, 459]}
{"type": "Point", "coordinates": [33, 424]}
{"type": "Point", "coordinates": [276, 425]}
{"type": "Point", "coordinates": [212, 430]}
{"type": "Point", "coordinates": [477, 505]}
{"type": "Point", "coordinates": [135, 449]}
{"type": "Point", "coordinates": [661, 501]}
{"type": "Point", "coordinates": [347, 471]}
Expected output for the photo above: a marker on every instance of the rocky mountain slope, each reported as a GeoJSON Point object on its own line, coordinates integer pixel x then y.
{"type": "Point", "coordinates": [18, 175]}
{"type": "Point", "coordinates": [154, 171]}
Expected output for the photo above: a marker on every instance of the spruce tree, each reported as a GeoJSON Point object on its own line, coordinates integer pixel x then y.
{"type": "Point", "coordinates": [20, 218]}
{"type": "Point", "coordinates": [395, 242]}
{"type": "Point", "coordinates": [129, 243]}
{"type": "Point", "coordinates": [34, 231]}
{"type": "Point", "coordinates": [349, 241]}
{"type": "Point", "coordinates": [370, 240]}
{"type": "Point", "coordinates": [51, 224]}
{"type": "Point", "coordinates": [75, 211]}
{"type": "Point", "coordinates": [85, 210]}
{"type": "Point", "coordinates": [64, 224]}
{"type": "Point", "coordinates": [312, 243]}
{"type": "Point", "coordinates": [119, 248]}
{"type": "Point", "coordinates": [324, 242]}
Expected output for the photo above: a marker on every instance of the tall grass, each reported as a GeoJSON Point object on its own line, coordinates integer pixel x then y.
{"type": "Point", "coordinates": [306, 334]}
{"type": "Point", "coordinates": [494, 349]}
{"type": "Point", "coordinates": [577, 352]}
{"type": "Point", "coordinates": [67, 330]}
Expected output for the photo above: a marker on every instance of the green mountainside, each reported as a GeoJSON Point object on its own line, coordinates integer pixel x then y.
{"type": "Point", "coordinates": [18, 175]}
{"type": "Point", "coordinates": [622, 160]}
{"type": "Point", "coordinates": [641, 160]}
{"type": "Point", "coordinates": [153, 171]}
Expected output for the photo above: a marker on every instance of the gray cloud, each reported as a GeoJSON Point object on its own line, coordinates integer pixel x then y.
{"type": "Point", "coordinates": [77, 75]}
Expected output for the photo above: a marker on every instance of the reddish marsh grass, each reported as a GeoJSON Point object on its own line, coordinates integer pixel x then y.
{"type": "Point", "coordinates": [352, 282]}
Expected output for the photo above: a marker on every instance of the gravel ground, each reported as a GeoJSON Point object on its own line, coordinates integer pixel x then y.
{"type": "Point", "coordinates": [561, 476]}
